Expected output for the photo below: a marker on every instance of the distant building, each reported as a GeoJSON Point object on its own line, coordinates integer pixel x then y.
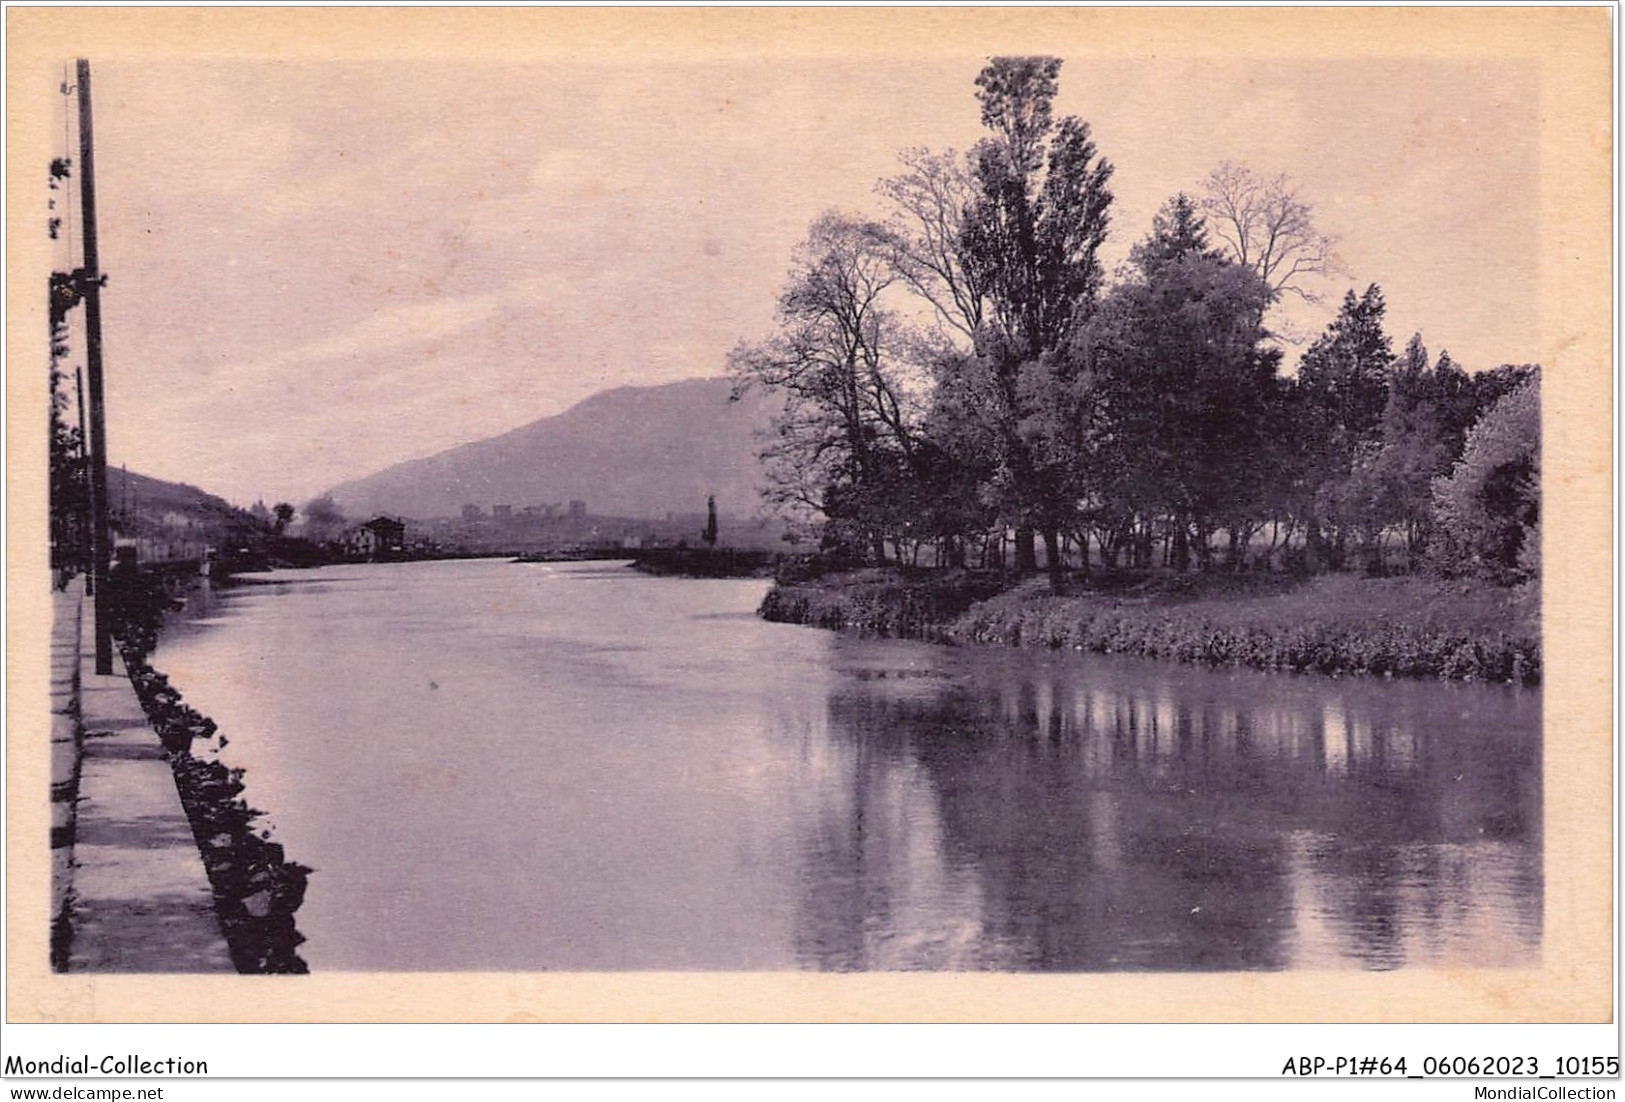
{"type": "Point", "coordinates": [578, 509]}
{"type": "Point", "coordinates": [502, 512]}
{"type": "Point", "coordinates": [472, 512]}
{"type": "Point", "coordinates": [381, 538]}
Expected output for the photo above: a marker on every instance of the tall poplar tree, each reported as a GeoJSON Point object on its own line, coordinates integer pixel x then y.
{"type": "Point", "coordinates": [1028, 242]}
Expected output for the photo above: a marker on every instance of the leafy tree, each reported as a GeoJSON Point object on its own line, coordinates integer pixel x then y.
{"type": "Point", "coordinates": [1002, 244]}
{"type": "Point", "coordinates": [1032, 235]}
{"type": "Point", "coordinates": [324, 521]}
{"type": "Point", "coordinates": [953, 462]}
{"type": "Point", "coordinates": [1485, 388]}
{"type": "Point", "coordinates": [1457, 398]}
{"type": "Point", "coordinates": [1176, 360]}
{"type": "Point", "coordinates": [1422, 432]}
{"type": "Point", "coordinates": [69, 489]}
{"type": "Point", "coordinates": [1488, 508]}
{"type": "Point", "coordinates": [284, 514]}
{"type": "Point", "coordinates": [1028, 243]}
{"type": "Point", "coordinates": [845, 430]}
{"type": "Point", "coordinates": [1391, 482]}
{"type": "Point", "coordinates": [68, 501]}
{"type": "Point", "coordinates": [951, 507]}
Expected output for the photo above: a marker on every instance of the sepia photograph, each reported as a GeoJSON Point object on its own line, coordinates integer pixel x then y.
{"type": "Point", "coordinates": [783, 514]}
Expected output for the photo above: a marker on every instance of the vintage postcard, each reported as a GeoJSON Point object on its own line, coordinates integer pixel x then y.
{"type": "Point", "coordinates": [809, 515]}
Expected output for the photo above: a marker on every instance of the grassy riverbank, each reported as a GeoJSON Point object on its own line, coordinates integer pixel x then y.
{"type": "Point", "coordinates": [1338, 624]}
{"type": "Point", "coordinates": [905, 605]}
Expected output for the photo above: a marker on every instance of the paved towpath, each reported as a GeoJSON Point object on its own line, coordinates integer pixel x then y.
{"type": "Point", "coordinates": [140, 900]}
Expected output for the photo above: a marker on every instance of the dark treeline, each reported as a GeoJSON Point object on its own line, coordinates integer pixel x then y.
{"type": "Point", "coordinates": [67, 470]}
{"type": "Point", "coordinates": [963, 381]}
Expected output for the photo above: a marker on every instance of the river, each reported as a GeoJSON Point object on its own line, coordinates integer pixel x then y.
{"type": "Point", "coordinates": [499, 766]}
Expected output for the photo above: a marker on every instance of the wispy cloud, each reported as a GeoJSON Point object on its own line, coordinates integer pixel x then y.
{"type": "Point", "coordinates": [396, 327]}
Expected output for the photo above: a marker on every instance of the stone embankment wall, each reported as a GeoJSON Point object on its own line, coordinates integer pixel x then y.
{"type": "Point", "coordinates": [129, 892]}
{"type": "Point", "coordinates": [158, 865]}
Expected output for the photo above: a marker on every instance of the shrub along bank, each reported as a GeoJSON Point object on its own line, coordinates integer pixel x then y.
{"type": "Point", "coordinates": [1335, 624]}
{"type": "Point", "coordinates": [898, 603]}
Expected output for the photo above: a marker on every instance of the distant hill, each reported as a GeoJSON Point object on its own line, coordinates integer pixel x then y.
{"type": "Point", "coordinates": [137, 501]}
{"type": "Point", "coordinates": [170, 520]}
{"type": "Point", "coordinates": [632, 451]}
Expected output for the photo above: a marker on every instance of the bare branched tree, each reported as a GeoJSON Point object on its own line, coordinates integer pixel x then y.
{"type": "Point", "coordinates": [931, 200]}
{"type": "Point", "coordinates": [1267, 225]}
{"type": "Point", "coordinates": [846, 422]}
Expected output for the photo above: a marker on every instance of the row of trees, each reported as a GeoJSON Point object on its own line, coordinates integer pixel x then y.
{"type": "Point", "coordinates": [965, 369]}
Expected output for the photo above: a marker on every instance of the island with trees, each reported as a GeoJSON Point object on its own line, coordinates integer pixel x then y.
{"type": "Point", "coordinates": [997, 440]}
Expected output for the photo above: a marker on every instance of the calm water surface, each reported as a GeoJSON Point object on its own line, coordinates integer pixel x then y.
{"type": "Point", "coordinates": [523, 767]}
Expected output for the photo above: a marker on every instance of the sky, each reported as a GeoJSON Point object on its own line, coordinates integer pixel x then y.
{"type": "Point", "coordinates": [322, 268]}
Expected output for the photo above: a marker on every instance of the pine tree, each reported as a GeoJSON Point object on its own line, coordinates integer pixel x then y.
{"type": "Point", "coordinates": [1346, 370]}
{"type": "Point", "coordinates": [1178, 231]}
{"type": "Point", "coordinates": [1342, 390]}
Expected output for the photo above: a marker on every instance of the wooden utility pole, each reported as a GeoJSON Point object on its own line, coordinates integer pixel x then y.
{"type": "Point", "coordinates": [84, 471]}
{"type": "Point", "coordinates": [90, 287]}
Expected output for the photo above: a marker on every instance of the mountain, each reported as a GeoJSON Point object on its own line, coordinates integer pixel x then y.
{"type": "Point", "coordinates": [632, 451]}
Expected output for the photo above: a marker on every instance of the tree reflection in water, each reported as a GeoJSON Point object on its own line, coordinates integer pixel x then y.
{"type": "Point", "coordinates": [1051, 814]}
